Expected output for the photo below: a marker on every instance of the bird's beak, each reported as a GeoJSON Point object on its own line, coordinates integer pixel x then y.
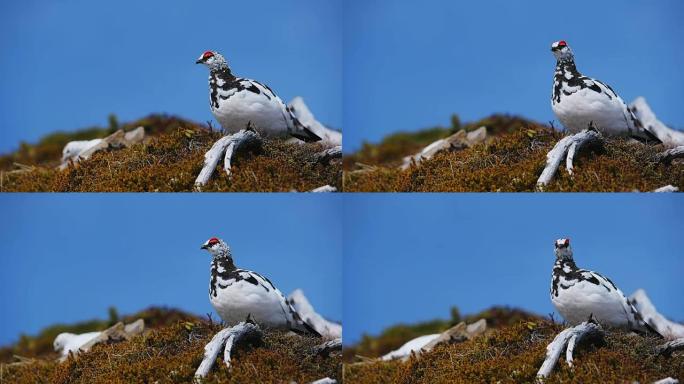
{"type": "Point", "coordinates": [199, 61]}
{"type": "Point", "coordinates": [204, 246]}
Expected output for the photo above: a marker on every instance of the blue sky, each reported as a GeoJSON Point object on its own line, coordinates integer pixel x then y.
{"type": "Point", "coordinates": [69, 64]}
{"type": "Point", "coordinates": [409, 65]}
{"type": "Point", "coordinates": [410, 257]}
{"type": "Point", "coordinates": [67, 258]}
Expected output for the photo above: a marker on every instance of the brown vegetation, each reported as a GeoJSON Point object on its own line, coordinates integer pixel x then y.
{"type": "Point", "coordinates": [511, 161]}
{"type": "Point", "coordinates": [513, 351]}
{"type": "Point", "coordinates": [169, 352]}
{"type": "Point", "coordinates": [168, 162]}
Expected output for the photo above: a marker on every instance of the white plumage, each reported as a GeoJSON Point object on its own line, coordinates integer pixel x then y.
{"type": "Point", "coordinates": [239, 294]}
{"type": "Point", "coordinates": [579, 294]}
{"type": "Point", "coordinates": [578, 101]}
{"type": "Point", "coordinates": [237, 101]}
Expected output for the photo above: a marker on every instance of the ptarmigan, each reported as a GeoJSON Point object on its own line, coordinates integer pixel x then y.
{"type": "Point", "coordinates": [579, 294]}
{"type": "Point", "coordinates": [236, 101]}
{"type": "Point", "coordinates": [239, 294]}
{"type": "Point", "coordinates": [579, 101]}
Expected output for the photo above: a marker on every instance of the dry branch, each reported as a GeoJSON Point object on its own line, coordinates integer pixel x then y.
{"type": "Point", "coordinates": [329, 346]}
{"type": "Point", "coordinates": [642, 111]}
{"type": "Point", "coordinates": [569, 146]}
{"type": "Point", "coordinates": [326, 155]}
{"type": "Point", "coordinates": [231, 336]}
{"type": "Point", "coordinates": [229, 144]}
{"type": "Point", "coordinates": [306, 311]}
{"type": "Point", "coordinates": [671, 154]}
{"type": "Point", "coordinates": [456, 142]}
{"type": "Point", "coordinates": [666, 328]}
{"type": "Point", "coordinates": [671, 346]}
{"type": "Point", "coordinates": [569, 337]}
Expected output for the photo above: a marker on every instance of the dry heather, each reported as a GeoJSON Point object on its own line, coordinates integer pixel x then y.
{"type": "Point", "coordinates": [168, 162]}
{"type": "Point", "coordinates": [169, 353]}
{"type": "Point", "coordinates": [513, 354]}
{"type": "Point", "coordinates": [509, 162]}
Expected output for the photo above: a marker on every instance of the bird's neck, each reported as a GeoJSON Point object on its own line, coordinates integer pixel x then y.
{"type": "Point", "coordinates": [224, 263]}
{"type": "Point", "coordinates": [565, 263]}
{"type": "Point", "coordinates": [564, 66]}
{"type": "Point", "coordinates": [221, 71]}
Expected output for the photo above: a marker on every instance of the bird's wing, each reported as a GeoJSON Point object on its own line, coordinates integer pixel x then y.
{"type": "Point", "coordinates": [630, 312]}
{"type": "Point", "coordinates": [295, 320]}
{"type": "Point", "coordinates": [297, 129]}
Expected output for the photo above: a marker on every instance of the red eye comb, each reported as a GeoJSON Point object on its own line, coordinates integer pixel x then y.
{"type": "Point", "coordinates": [562, 43]}
{"type": "Point", "coordinates": [207, 54]}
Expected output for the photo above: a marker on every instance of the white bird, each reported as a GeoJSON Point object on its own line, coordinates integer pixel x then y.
{"type": "Point", "coordinates": [239, 294]}
{"type": "Point", "coordinates": [237, 101]}
{"type": "Point", "coordinates": [579, 294]}
{"type": "Point", "coordinates": [579, 101]}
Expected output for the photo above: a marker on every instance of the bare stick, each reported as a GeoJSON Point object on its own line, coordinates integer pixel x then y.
{"type": "Point", "coordinates": [642, 111]}
{"type": "Point", "coordinates": [325, 188]}
{"type": "Point", "coordinates": [325, 380]}
{"type": "Point", "coordinates": [245, 332]}
{"type": "Point", "coordinates": [555, 348]}
{"type": "Point", "coordinates": [568, 145]}
{"type": "Point", "coordinates": [666, 328]}
{"type": "Point", "coordinates": [326, 155]}
{"type": "Point", "coordinates": [243, 139]}
{"type": "Point", "coordinates": [230, 337]}
{"type": "Point", "coordinates": [211, 159]}
{"type": "Point", "coordinates": [671, 346]}
{"type": "Point", "coordinates": [667, 380]}
{"type": "Point", "coordinates": [329, 346]}
{"type": "Point", "coordinates": [671, 154]}
{"type": "Point", "coordinates": [228, 144]}
{"type": "Point", "coordinates": [667, 188]}
{"type": "Point", "coordinates": [301, 304]}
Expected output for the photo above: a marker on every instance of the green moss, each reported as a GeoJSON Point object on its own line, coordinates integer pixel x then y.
{"type": "Point", "coordinates": [512, 352]}
{"type": "Point", "coordinates": [171, 351]}
{"type": "Point", "coordinates": [513, 160]}
{"type": "Point", "coordinates": [169, 162]}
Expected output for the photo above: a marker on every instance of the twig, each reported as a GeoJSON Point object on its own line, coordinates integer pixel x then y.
{"type": "Point", "coordinates": [325, 380]}
{"type": "Point", "coordinates": [666, 157]}
{"type": "Point", "coordinates": [667, 188]}
{"type": "Point", "coordinates": [230, 336]}
{"type": "Point", "coordinates": [667, 380]}
{"type": "Point", "coordinates": [569, 337]}
{"type": "Point", "coordinates": [568, 145]}
{"type": "Point", "coordinates": [228, 144]}
{"type": "Point", "coordinates": [327, 347]}
{"type": "Point", "coordinates": [325, 156]}
{"type": "Point", "coordinates": [666, 328]}
{"type": "Point", "coordinates": [671, 346]}
{"type": "Point", "coordinates": [325, 188]}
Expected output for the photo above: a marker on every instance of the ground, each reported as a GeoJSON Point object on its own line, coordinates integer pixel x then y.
{"type": "Point", "coordinates": [169, 352]}
{"type": "Point", "coordinates": [510, 161]}
{"type": "Point", "coordinates": [511, 351]}
{"type": "Point", "coordinates": [169, 161]}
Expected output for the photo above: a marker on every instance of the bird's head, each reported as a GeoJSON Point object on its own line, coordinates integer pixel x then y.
{"type": "Point", "coordinates": [217, 248]}
{"type": "Point", "coordinates": [561, 50]}
{"type": "Point", "coordinates": [213, 60]}
{"type": "Point", "coordinates": [563, 250]}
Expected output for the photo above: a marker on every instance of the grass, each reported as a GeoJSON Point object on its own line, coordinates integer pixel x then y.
{"type": "Point", "coordinates": [169, 352]}
{"type": "Point", "coordinates": [511, 161]}
{"type": "Point", "coordinates": [511, 351]}
{"type": "Point", "coordinates": [169, 161]}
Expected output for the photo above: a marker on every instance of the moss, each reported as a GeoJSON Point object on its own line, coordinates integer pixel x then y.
{"type": "Point", "coordinates": [171, 351]}
{"type": "Point", "coordinates": [513, 353]}
{"type": "Point", "coordinates": [169, 162]}
{"type": "Point", "coordinates": [512, 161]}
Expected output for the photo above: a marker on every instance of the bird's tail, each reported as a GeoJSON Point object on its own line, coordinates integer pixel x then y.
{"type": "Point", "coordinates": [301, 326]}
{"type": "Point", "coordinates": [301, 131]}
